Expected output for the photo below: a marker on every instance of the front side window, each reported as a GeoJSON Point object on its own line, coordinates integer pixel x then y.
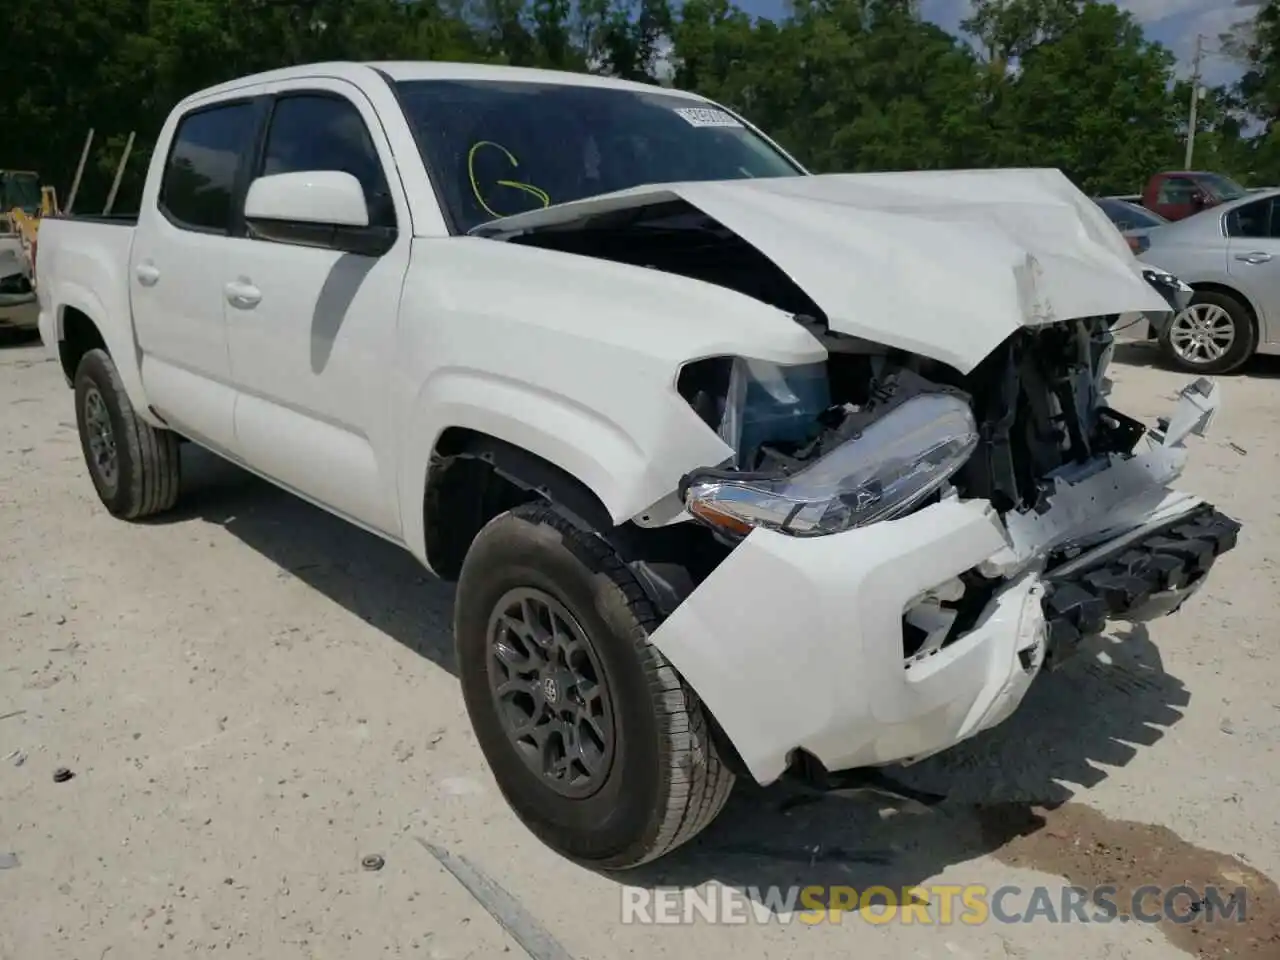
{"type": "Point", "coordinates": [497, 148]}
{"type": "Point", "coordinates": [320, 132]}
{"type": "Point", "coordinates": [1222, 188]}
{"type": "Point", "coordinates": [199, 178]}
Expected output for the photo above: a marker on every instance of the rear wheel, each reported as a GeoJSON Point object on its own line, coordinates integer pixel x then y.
{"type": "Point", "coordinates": [595, 741]}
{"type": "Point", "coordinates": [135, 467]}
{"type": "Point", "coordinates": [1214, 334]}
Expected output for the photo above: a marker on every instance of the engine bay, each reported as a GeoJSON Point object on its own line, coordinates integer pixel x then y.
{"type": "Point", "coordinates": [1039, 402]}
{"type": "Point", "coordinates": [1038, 399]}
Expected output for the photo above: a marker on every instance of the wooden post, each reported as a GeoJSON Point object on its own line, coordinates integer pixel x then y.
{"type": "Point", "coordinates": [75, 184]}
{"type": "Point", "coordinates": [111, 197]}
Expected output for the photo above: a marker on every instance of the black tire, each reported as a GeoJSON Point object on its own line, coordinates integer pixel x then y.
{"type": "Point", "coordinates": [665, 782]}
{"type": "Point", "coordinates": [147, 472]}
{"type": "Point", "coordinates": [1242, 346]}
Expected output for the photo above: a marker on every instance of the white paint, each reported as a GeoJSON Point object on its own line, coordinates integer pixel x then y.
{"type": "Point", "coordinates": [927, 262]}
{"type": "Point", "coordinates": [314, 196]}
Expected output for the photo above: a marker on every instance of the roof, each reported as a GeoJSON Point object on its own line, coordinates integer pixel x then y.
{"type": "Point", "coordinates": [408, 70]}
{"type": "Point", "coordinates": [444, 70]}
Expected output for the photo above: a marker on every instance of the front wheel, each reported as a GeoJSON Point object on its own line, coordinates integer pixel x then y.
{"type": "Point", "coordinates": [595, 741]}
{"type": "Point", "coordinates": [1214, 334]}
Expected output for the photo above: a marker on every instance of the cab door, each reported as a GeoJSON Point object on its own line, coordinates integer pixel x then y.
{"type": "Point", "coordinates": [1253, 260]}
{"type": "Point", "coordinates": [311, 330]}
{"type": "Point", "coordinates": [177, 259]}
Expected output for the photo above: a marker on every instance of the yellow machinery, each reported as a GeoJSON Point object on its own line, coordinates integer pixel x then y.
{"type": "Point", "coordinates": [23, 201]}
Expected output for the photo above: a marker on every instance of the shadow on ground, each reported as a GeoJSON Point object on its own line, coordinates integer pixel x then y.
{"type": "Point", "coordinates": [17, 336]}
{"type": "Point", "coordinates": [378, 581]}
{"type": "Point", "coordinates": [1095, 713]}
{"type": "Point", "coordinates": [1139, 353]}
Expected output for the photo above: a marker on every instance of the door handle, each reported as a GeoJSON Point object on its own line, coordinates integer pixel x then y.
{"type": "Point", "coordinates": [1257, 256]}
{"type": "Point", "coordinates": [242, 294]}
{"type": "Point", "coordinates": [148, 273]}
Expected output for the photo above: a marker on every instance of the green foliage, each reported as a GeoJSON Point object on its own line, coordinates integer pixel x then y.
{"type": "Point", "coordinates": [844, 84]}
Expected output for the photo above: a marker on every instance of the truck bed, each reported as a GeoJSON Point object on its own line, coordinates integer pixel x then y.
{"type": "Point", "coordinates": [87, 253]}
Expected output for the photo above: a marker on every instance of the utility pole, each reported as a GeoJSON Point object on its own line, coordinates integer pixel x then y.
{"type": "Point", "coordinates": [1195, 97]}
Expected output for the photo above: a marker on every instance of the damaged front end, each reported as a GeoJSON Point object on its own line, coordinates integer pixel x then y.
{"type": "Point", "coordinates": [904, 534]}
{"type": "Point", "coordinates": [1089, 529]}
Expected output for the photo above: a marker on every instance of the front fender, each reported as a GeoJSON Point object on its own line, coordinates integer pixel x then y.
{"type": "Point", "coordinates": [572, 359]}
{"type": "Point", "coordinates": [583, 442]}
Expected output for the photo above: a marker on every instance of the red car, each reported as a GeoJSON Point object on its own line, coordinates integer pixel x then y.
{"type": "Point", "coordinates": [1178, 194]}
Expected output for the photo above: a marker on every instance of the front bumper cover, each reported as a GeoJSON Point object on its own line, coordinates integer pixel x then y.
{"type": "Point", "coordinates": [798, 644]}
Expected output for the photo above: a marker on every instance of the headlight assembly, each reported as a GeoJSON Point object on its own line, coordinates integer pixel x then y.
{"type": "Point", "coordinates": [891, 466]}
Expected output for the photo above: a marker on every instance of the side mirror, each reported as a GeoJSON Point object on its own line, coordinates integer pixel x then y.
{"type": "Point", "coordinates": [317, 208]}
{"type": "Point", "coordinates": [1199, 200]}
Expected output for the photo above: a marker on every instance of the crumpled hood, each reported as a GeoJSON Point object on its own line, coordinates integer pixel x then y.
{"type": "Point", "coordinates": [944, 264]}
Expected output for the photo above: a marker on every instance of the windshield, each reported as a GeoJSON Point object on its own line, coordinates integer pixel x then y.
{"type": "Point", "coordinates": [1222, 188]}
{"type": "Point", "coordinates": [19, 190]}
{"type": "Point", "coordinates": [498, 148]}
{"type": "Point", "coordinates": [1129, 216]}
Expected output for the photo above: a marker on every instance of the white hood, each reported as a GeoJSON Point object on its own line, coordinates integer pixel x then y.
{"type": "Point", "coordinates": [944, 264]}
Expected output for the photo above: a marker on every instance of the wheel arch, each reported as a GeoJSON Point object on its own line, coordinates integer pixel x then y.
{"type": "Point", "coordinates": [473, 476]}
{"type": "Point", "coordinates": [78, 333]}
{"type": "Point", "coordinates": [608, 467]}
{"type": "Point", "coordinates": [82, 322]}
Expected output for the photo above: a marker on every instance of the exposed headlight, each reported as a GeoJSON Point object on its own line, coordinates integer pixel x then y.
{"type": "Point", "coordinates": [893, 464]}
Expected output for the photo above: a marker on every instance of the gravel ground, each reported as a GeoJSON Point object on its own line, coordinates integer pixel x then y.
{"type": "Point", "coordinates": [252, 697]}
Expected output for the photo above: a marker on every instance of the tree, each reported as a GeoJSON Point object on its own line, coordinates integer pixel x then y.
{"type": "Point", "coordinates": [846, 85]}
{"type": "Point", "coordinates": [1089, 95]}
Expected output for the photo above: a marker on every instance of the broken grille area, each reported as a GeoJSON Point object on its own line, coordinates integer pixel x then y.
{"type": "Point", "coordinates": [1162, 565]}
{"type": "Point", "coordinates": [1039, 400]}
{"type": "Point", "coordinates": [1142, 578]}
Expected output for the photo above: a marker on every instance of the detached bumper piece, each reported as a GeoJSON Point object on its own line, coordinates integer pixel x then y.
{"type": "Point", "coordinates": [1140, 578]}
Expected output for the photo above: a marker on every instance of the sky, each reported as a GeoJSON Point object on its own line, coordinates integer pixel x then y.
{"type": "Point", "coordinates": [1174, 23]}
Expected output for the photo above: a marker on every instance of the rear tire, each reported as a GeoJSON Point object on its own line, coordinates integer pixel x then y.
{"type": "Point", "coordinates": [1210, 317]}
{"type": "Point", "coordinates": [645, 777]}
{"type": "Point", "coordinates": [135, 467]}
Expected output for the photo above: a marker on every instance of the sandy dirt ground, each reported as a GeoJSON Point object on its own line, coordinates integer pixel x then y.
{"type": "Point", "coordinates": [252, 697]}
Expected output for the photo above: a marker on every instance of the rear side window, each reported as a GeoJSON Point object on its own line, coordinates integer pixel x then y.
{"type": "Point", "coordinates": [1255, 220]}
{"type": "Point", "coordinates": [200, 177]}
{"type": "Point", "coordinates": [319, 132]}
{"type": "Point", "coordinates": [1176, 190]}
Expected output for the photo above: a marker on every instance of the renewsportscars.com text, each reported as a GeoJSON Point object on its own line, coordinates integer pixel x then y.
{"type": "Point", "coordinates": [933, 904]}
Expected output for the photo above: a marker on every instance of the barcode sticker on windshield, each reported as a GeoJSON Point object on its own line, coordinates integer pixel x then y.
{"type": "Point", "coordinates": [707, 117]}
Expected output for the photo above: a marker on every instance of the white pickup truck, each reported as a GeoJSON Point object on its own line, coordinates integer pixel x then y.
{"type": "Point", "coordinates": [741, 471]}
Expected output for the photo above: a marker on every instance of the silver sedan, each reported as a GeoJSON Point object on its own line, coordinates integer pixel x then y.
{"type": "Point", "coordinates": [1230, 255]}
